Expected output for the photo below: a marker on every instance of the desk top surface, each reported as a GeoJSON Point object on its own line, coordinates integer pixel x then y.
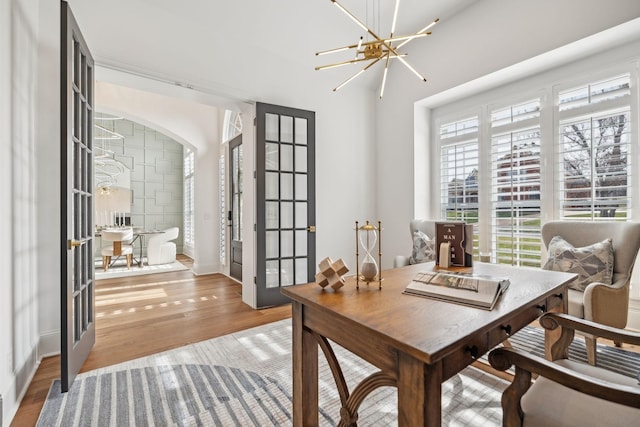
{"type": "Point", "coordinates": [426, 326]}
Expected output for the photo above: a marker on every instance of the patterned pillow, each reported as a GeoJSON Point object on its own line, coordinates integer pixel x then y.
{"type": "Point", "coordinates": [593, 263]}
{"type": "Point", "coordinates": [423, 248]}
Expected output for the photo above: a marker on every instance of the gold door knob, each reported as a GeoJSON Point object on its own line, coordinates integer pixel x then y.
{"type": "Point", "coordinates": [311, 229]}
{"type": "Point", "coordinates": [75, 243]}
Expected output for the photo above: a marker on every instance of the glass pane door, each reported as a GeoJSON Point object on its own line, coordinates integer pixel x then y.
{"type": "Point", "coordinates": [286, 200]}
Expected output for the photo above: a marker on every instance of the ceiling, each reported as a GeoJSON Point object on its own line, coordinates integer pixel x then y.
{"type": "Point", "coordinates": [219, 45]}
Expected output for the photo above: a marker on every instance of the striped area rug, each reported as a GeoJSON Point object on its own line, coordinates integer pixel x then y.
{"type": "Point", "coordinates": [244, 379]}
{"type": "Point", "coordinates": [171, 395]}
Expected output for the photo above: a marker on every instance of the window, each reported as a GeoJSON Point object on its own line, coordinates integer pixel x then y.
{"type": "Point", "coordinates": [459, 171]}
{"type": "Point", "coordinates": [189, 192]}
{"type": "Point", "coordinates": [232, 125]}
{"type": "Point", "coordinates": [515, 184]}
{"type": "Point", "coordinates": [566, 154]}
{"type": "Point", "coordinates": [593, 152]}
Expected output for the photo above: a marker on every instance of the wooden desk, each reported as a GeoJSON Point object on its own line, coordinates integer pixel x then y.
{"type": "Point", "coordinates": [417, 343]}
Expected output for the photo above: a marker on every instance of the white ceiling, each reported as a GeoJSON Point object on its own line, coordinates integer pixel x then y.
{"type": "Point", "coordinates": [216, 45]}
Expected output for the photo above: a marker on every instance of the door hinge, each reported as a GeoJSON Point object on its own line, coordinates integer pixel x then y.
{"type": "Point", "coordinates": [255, 174]}
{"type": "Point", "coordinates": [255, 280]}
{"type": "Point", "coordinates": [255, 227]}
{"type": "Point", "coordinates": [255, 121]}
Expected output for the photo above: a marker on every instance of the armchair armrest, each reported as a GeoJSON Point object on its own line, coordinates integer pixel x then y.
{"type": "Point", "coordinates": [607, 304]}
{"type": "Point", "coordinates": [570, 324]}
{"type": "Point", "coordinates": [526, 364]}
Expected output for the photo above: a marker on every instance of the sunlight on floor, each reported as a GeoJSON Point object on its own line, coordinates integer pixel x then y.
{"type": "Point", "coordinates": [130, 297]}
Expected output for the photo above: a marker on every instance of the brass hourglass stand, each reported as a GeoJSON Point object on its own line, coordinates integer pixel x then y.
{"type": "Point", "coordinates": [369, 271]}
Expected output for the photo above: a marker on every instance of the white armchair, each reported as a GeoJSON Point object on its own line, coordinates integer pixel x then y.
{"type": "Point", "coordinates": [160, 248]}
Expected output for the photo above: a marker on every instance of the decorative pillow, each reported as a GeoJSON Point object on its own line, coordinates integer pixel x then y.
{"type": "Point", "coordinates": [593, 263]}
{"type": "Point", "coordinates": [423, 248]}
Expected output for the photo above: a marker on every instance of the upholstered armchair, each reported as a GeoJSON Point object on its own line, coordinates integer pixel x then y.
{"type": "Point", "coordinates": [160, 248]}
{"type": "Point", "coordinates": [567, 392]}
{"type": "Point", "coordinates": [604, 303]}
{"type": "Point", "coordinates": [420, 243]}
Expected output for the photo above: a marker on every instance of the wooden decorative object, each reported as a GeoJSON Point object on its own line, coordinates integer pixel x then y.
{"type": "Point", "coordinates": [331, 273]}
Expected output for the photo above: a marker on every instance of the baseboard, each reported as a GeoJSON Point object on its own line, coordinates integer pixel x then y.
{"type": "Point", "coordinates": [202, 269]}
{"type": "Point", "coordinates": [49, 344]}
{"type": "Point", "coordinates": [19, 383]}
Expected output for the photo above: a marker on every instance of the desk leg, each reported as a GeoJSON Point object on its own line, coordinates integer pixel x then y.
{"type": "Point", "coordinates": [419, 392]}
{"type": "Point", "coordinates": [305, 372]}
{"type": "Point", "coordinates": [550, 337]}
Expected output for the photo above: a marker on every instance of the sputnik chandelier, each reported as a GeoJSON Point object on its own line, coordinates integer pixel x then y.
{"type": "Point", "coordinates": [377, 49]}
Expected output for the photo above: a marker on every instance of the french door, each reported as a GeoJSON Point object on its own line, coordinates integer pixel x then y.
{"type": "Point", "coordinates": [285, 190]}
{"type": "Point", "coordinates": [77, 302]}
{"type": "Point", "coordinates": [235, 214]}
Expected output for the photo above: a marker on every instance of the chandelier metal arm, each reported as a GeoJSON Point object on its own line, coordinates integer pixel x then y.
{"type": "Point", "coordinates": [357, 74]}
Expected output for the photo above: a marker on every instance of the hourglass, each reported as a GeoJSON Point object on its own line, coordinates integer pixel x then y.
{"type": "Point", "coordinates": [369, 270]}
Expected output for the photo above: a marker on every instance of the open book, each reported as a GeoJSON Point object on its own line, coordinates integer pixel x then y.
{"type": "Point", "coordinates": [468, 289]}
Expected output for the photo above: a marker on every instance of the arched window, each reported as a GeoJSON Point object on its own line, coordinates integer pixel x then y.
{"type": "Point", "coordinates": [232, 125]}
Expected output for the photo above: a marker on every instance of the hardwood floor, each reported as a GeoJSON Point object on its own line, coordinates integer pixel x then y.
{"type": "Point", "coordinates": [141, 315]}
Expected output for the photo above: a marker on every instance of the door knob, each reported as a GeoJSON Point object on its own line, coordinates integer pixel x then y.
{"type": "Point", "coordinates": [311, 229]}
{"type": "Point", "coordinates": [75, 243]}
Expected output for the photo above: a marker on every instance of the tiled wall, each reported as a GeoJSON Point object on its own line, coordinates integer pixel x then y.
{"type": "Point", "coordinates": [156, 163]}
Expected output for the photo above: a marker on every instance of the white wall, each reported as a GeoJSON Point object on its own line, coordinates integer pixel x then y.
{"type": "Point", "coordinates": [7, 377]}
{"type": "Point", "coordinates": [18, 215]}
{"type": "Point", "coordinates": [6, 260]}
{"type": "Point", "coordinates": [484, 38]}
